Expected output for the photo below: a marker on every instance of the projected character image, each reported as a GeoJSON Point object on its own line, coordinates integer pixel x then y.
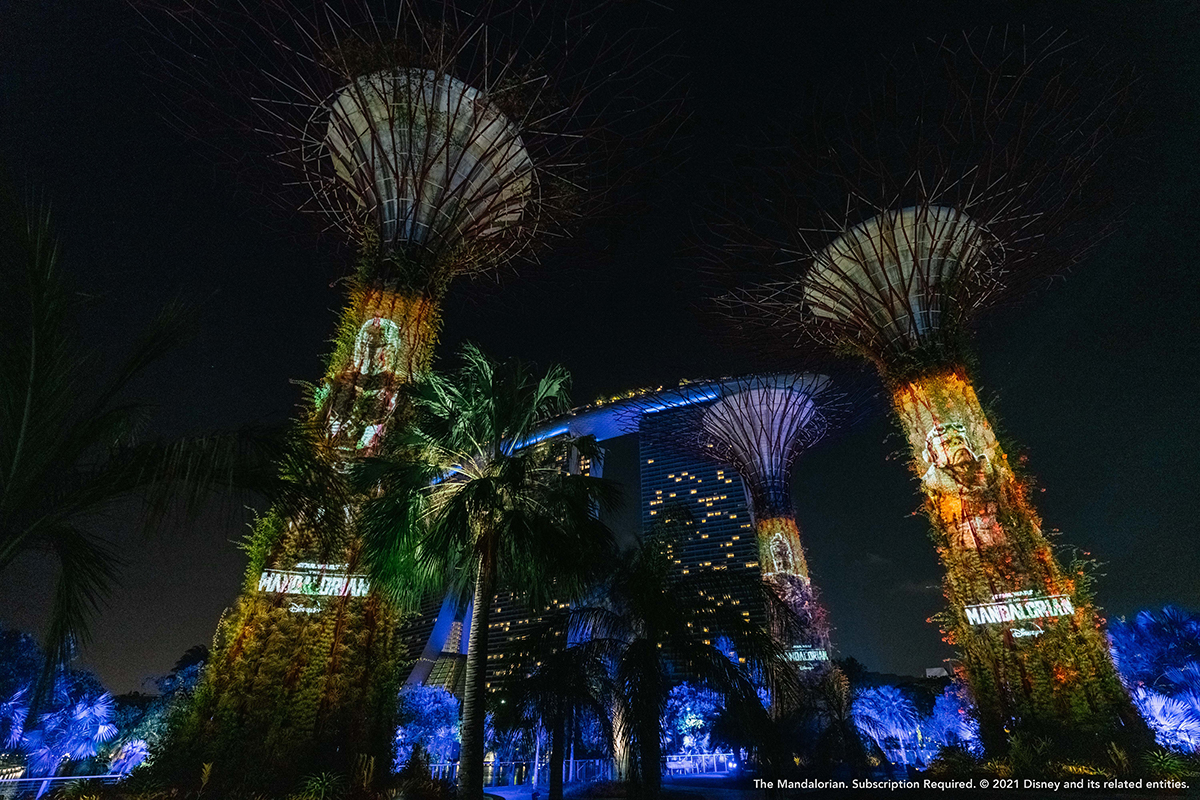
{"type": "Point", "coordinates": [959, 477]}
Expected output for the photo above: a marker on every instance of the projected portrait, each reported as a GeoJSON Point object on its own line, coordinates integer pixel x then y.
{"type": "Point", "coordinates": [376, 346]}
{"type": "Point", "coordinates": [960, 475]}
{"type": "Point", "coordinates": [782, 557]}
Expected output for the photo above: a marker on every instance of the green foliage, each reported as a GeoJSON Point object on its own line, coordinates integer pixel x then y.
{"type": "Point", "coordinates": [264, 537]}
{"type": "Point", "coordinates": [1162, 764]}
{"type": "Point", "coordinates": [323, 786]}
{"type": "Point", "coordinates": [257, 712]}
{"type": "Point", "coordinates": [363, 775]}
{"type": "Point", "coordinates": [954, 762]}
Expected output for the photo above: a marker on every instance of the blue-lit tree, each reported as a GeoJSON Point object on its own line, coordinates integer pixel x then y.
{"type": "Point", "coordinates": [72, 723]}
{"type": "Point", "coordinates": [1146, 647]}
{"type": "Point", "coordinates": [75, 729]}
{"type": "Point", "coordinates": [952, 722]}
{"type": "Point", "coordinates": [689, 718]}
{"type": "Point", "coordinates": [427, 717]}
{"type": "Point", "coordinates": [73, 733]}
{"type": "Point", "coordinates": [1158, 657]}
{"type": "Point", "coordinates": [887, 716]}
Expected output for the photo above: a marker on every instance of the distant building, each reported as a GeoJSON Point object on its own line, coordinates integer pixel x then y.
{"type": "Point", "coordinates": [720, 536]}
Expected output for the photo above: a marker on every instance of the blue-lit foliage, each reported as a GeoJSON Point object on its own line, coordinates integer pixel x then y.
{"type": "Point", "coordinates": [74, 722]}
{"type": "Point", "coordinates": [688, 720]}
{"type": "Point", "coordinates": [428, 716]}
{"type": "Point", "coordinates": [1158, 657]}
{"type": "Point", "coordinates": [1174, 720]}
{"type": "Point", "coordinates": [888, 717]}
{"type": "Point", "coordinates": [952, 722]}
{"type": "Point", "coordinates": [80, 727]}
{"type": "Point", "coordinates": [130, 756]}
{"type": "Point", "coordinates": [1153, 644]}
{"type": "Point", "coordinates": [73, 730]}
{"type": "Point", "coordinates": [13, 713]}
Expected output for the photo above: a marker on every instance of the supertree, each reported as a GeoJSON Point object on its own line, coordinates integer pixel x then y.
{"type": "Point", "coordinates": [439, 142]}
{"type": "Point", "coordinates": [760, 425]}
{"type": "Point", "coordinates": [957, 188]}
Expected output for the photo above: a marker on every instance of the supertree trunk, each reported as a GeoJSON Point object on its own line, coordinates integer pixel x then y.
{"type": "Point", "coordinates": [1030, 639]}
{"type": "Point", "coordinates": [785, 569]}
{"type": "Point", "coordinates": [304, 675]}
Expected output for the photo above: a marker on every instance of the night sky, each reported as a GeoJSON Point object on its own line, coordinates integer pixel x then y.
{"type": "Point", "coordinates": [1096, 376]}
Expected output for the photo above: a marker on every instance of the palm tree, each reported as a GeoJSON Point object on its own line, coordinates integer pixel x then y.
{"type": "Point", "coordinates": [469, 496]}
{"type": "Point", "coordinates": [884, 712]}
{"type": "Point", "coordinates": [566, 681]}
{"type": "Point", "coordinates": [69, 444]}
{"type": "Point", "coordinates": [650, 626]}
{"type": "Point", "coordinates": [68, 449]}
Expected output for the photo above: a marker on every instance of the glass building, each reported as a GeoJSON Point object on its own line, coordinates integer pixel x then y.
{"type": "Point", "coordinates": [718, 534]}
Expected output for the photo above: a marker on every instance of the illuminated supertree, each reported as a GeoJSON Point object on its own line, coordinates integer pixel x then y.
{"type": "Point", "coordinates": [760, 425]}
{"type": "Point", "coordinates": [956, 193]}
{"type": "Point", "coordinates": [440, 144]}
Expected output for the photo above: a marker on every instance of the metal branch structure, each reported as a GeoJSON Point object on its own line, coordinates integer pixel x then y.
{"type": "Point", "coordinates": [760, 425]}
{"type": "Point", "coordinates": [957, 194]}
{"type": "Point", "coordinates": [439, 142]}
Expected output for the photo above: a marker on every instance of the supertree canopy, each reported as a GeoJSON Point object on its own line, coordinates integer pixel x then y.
{"type": "Point", "coordinates": [433, 163]}
{"type": "Point", "coordinates": [438, 142]}
{"type": "Point", "coordinates": [760, 425]}
{"type": "Point", "coordinates": [959, 190]}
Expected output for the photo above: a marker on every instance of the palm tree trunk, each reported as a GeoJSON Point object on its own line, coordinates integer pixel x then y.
{"type": "Point", "coordinates": [537, 758]}
{"type": "Point", "coordinates": [651, 764]}
{"type": "Point", "coordinates": [572, 738]}
{"type": "Point", "coordinates": [470, 763]}
{"type": "Point", "coordinates": [621, 751]}
{"type": "Point", "coordinates": [649, 722]}
{"type": "Point", "coordinates": [557, 734]}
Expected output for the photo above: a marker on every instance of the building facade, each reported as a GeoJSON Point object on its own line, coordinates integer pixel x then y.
{"type": "Point", "coordinates": [716, 533]}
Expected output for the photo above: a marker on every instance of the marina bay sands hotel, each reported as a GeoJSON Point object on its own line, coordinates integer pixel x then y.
{"type": "Point", "coordinates": [719, 535]}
